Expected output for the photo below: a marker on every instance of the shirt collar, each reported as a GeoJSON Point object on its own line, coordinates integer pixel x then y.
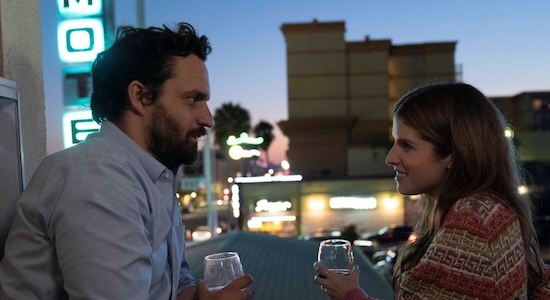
{"type": "Point", "coordinates": [153, 167]}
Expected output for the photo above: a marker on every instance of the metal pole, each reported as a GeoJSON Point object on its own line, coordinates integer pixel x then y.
{"type": "Point", "coordinates": [207, 169]}
{"type": "Point", "coordinates": [140, 13]}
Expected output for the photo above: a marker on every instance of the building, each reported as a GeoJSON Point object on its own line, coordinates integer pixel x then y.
{"type": "Point", "coordinates": [300, 207]}
{"type": "Point", "coordinates": [341, 95]}
{"type": "Point", "coordinates": [340, 100]}
{"type": "Point", "coordinates": [529, 117]}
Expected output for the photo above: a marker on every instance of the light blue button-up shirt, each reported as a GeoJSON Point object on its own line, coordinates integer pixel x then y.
{"type": "Point", "coordinates": [97, 221]}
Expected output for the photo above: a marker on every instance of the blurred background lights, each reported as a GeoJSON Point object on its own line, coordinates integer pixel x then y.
{"type": "Point", "coordinates": [353, 202]}
{"type": "Point", "coordinates": [390, 203]}
{"type": "Point", "coordinates": [316, 204]}
{"type": "Point", "coordinates": [275, 206]}
{"type": "Point", "coordinates": [508, 133]}
{"type": "Point", "coordinates": [285, 165]}
{"type": "Point", "coordinates": [523, 189]}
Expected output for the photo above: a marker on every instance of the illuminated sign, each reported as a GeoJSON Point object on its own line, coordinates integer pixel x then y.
{"type": "Point", "coordinates": [79, 8]}
{"type": "Point", "coordinates": [235, 201]}
{"type": "Point", "coordinates": [352, 203]}
{"type": "Point", "coordinates": [237, 152]}
{"type": "Point", "coordinates": [76, 127]}
{"type": "Point", "coordinates": [80, 40]}
{"type": "Point", "coordinates": [257, 222]}
{"type": "Point", "coordinates": [244, 139]}
{"type": "Point", "coordinates": [276, 206]}
{"type": "Point", "coordinates": [257, 179]}
{"type": "Point", "coordinates": [189, 183]}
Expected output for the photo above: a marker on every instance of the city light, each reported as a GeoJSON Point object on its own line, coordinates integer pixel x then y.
{"type": "Point", "coordinates": [523, 189]}
{"type": "Point", "coordinates": [235, 201]}
{"type": "Point", "coordinates": [285, 165]}
{"type": "Point", "coordinates": [238, 152]}
{"type": "Point", "coordinates": [316, 204]}
{"type": "Point", "coordinates": [244, 139]}
{"type": "Point", "coordinates": [275, 206]}
{"type": "Point", "coordinates": [279, 178]}
{"type": "Point", "coordinates": [390, 203]}
{"type": "Point", "coordinates": [258, 222]}
{"type": "Point", "coordinates": [508, 133]}
{"type": "Point", "coordinates": [353, 202]}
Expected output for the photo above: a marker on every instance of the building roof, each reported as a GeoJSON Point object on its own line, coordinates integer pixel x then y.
{"type": "Point", "coordinates": [282, 268]}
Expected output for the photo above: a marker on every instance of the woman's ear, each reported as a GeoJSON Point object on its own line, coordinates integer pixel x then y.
{"type": "Point", "coordinates": [137, 96]}
{"type": "Point", "coordinates": [450, 161]}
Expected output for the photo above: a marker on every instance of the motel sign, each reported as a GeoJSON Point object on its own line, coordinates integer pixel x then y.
{"type": "Point", "coordinates": [80, 33]}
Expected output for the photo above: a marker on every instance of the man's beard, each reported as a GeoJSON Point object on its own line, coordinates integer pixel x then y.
{"type": "Point", "coordinates": [166, 143]}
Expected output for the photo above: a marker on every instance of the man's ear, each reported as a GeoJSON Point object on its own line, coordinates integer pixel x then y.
{"type": "Point", "coordinates": [137, 96]}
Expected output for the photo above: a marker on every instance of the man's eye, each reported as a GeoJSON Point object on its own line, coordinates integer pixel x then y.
{"type": "Point", "coordinates": [191, 99]}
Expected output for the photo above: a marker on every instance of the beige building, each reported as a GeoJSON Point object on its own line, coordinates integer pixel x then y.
{"type": "Point", "coordinates": [529, 117]}
{"type": "Point", "coordinates": [341, 94]}
{"type": "Point", "coordinates": [340, 100]}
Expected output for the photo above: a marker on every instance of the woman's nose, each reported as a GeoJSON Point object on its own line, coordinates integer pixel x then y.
{"type": "Point", "coordinates": [391, 159]}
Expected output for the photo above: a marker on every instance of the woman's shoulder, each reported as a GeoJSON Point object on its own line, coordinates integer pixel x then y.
{"type": "Point", "coordinates": [484, 213]}
{"type": "Point", "coordinates": [483, 203]}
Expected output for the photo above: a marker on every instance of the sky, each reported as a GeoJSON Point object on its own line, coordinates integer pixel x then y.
{"type": "Point", "coordinates": [503, 46]}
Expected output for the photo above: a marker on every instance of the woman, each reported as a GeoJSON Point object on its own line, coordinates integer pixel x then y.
{"type": "Point", "coordinates": [476, 238]}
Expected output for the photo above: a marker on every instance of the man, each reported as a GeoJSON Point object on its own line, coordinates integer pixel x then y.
{"type": "Point", "coordinates": [100, 220]}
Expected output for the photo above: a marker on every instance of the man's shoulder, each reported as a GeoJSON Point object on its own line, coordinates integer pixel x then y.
{"type": "Point", "coordinates": [95, 148]}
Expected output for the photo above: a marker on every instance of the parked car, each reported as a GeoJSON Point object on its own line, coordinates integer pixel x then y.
{"type": "Point", "coordinates": [385, 265]}
{"type": "Point", "coordinates": [387, 237]}
{"type": "Point", "coordinates": [323, 234]}
{"type": "Point", "coordinates": [202, 233]}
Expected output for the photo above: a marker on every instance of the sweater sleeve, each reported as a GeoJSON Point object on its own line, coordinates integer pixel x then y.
{"type": "Point", "coordinates": [543, 289]}
{"type": "Point", "coordinates": [477, 253]}
{"type": "Point", "coordinates": [357, 294]}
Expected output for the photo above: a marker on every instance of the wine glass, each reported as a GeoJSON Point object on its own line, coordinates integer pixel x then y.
{"type": "Point", "coordinates": [336, 255]}
{"type": "Point", "coordinates": [220, 269]}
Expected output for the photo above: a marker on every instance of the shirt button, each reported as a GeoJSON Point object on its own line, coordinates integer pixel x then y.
{"type": "Point", "coordinates": [167, 176]}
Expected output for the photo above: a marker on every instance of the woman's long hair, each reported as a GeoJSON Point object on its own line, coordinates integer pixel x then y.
{"type": "Point", "coordinates": [459, 120]}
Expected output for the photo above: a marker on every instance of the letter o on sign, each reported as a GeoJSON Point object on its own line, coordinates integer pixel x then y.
{"type": "Point", "coordinates": [80, 40]}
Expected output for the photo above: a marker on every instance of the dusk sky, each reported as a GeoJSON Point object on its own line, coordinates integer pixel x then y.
{"type": "Point", "coordinates": [503, 46]}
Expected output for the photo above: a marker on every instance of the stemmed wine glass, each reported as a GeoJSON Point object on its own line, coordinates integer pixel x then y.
{"type": "Point", "coordinates": [220, 269]}
{"type": "Point", "coordinates": [336, 255]}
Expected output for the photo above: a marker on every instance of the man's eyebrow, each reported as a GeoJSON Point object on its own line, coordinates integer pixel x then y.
{"type": "Point", "coordinates": [196, 93]}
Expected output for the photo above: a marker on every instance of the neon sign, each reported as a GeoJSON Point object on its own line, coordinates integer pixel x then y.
{"type": "Point", "coordinates": [276, 206]}
{"type": "Point", "coordinates": [79, 8]}
{"type": "Point", "coordinates": [80, 34]}
{"type": "Point", "coordinates": [244, 139]}
{"type": "Point", "coordinates": [76, 127]}
{"type": "Point", "coordinates": [80, 40]}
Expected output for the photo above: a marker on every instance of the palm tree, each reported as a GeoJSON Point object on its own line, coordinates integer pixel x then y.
{"type": "Point", "coordinates": [265, 130]}
{"type": "Point", "coordinates": [229, 119]}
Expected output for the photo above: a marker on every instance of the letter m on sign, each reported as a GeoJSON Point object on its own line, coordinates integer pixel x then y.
{"type": "Point", "coordinates": [80, 8]}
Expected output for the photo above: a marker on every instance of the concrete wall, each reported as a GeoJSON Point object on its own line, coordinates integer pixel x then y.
{"type": "Point", "coordinates": [21, 61]}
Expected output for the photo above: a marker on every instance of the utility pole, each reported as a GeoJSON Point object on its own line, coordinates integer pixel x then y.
{"type": "Point", "coordinates": [140, 13]}
{"type": "Point", "coordinates": [207, 170]}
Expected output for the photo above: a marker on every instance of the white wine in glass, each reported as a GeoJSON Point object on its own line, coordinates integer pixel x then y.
{"type": "Point", "coordinates": [220, 269]}
{"type": "Point", "coordinates": [336, 255]}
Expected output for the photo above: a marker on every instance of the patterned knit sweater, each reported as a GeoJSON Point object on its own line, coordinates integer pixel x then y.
{"type": "Point", "coordinates": [477, 254]}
